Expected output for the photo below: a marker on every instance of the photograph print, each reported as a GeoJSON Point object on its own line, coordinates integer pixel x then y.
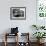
{"type": "Point", "coordinates": [17, 13]}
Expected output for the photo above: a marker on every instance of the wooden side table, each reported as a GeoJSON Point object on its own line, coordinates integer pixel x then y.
{"type": "Point", "coordinates": [8, 34]}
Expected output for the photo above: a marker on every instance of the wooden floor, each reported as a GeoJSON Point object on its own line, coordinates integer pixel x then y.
{"type": "Point", "coordinates": [13, 44]}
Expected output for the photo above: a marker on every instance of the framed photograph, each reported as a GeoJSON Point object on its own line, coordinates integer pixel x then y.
{"type": "Point", "coordinates": [18, 13]}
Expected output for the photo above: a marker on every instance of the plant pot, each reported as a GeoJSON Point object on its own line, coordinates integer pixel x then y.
{"type": "Point", "coordinates": [40, 41]}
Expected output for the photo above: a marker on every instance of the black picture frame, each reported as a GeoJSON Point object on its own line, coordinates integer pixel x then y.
{"type": "Point", "coordinates": [18, 13]}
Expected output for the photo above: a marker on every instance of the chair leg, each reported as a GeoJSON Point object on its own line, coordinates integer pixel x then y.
{"type": "Point", "coordinates": [5, 43]}
{"type": "Point", "coordinates": [5, 40]}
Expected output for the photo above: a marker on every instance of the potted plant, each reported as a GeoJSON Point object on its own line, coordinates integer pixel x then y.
{"type": "Point", "coordinates": [39, 35]}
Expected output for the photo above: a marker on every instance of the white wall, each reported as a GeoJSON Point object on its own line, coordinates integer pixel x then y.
{"type": "Point", "coordinates": [24, 25]}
